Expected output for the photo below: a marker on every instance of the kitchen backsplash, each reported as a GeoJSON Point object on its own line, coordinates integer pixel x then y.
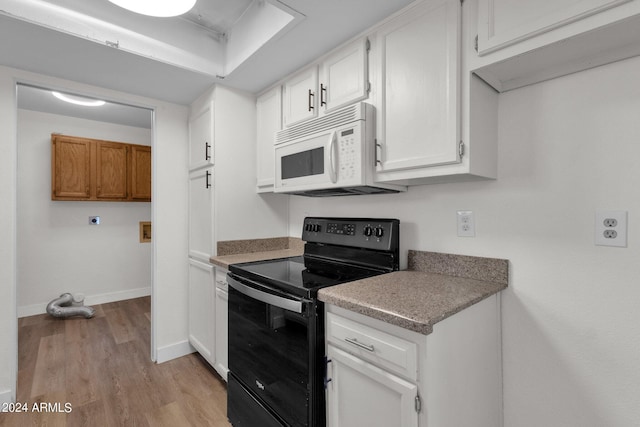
{"type": "Point", "coordinates": [233, 247]}
{"type": "Point", "coordinates": [486, 269]}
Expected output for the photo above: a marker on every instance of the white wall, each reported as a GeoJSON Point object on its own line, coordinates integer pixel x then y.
{"type": "Point", "coordinates": [58, 251]}
{"type": "Point", "coordinates": [571, 334]}
{"type": "Point", "coordinates": [8, 167]}
{"type": "Point", "coordinates": [169, 274]}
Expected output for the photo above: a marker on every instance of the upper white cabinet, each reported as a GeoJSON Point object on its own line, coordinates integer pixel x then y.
{"type": "Point", "coordinates": [505, 22]}
{"type": "Point", "coordinates": [269, 121]}
{"type": "Point", "coordinates": [345, 76]}
{"type": "Point", "coordinates": [338, 80]}
{"type": "Point", "coordinates": [299, 96]}
{"type": "Point", "coordinates": [201, 138]}
{"type": "Point", "coordinates": [420, 78]}
{"type": "Point", "coordinates": [529, 41]}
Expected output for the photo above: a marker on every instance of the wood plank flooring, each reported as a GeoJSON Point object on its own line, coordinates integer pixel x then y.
{"type": "Point", "coordinates": [98, 372]}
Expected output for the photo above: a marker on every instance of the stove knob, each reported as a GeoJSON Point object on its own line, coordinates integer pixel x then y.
{"type": "Point", "coordinates": [307, 227]}
{"type": "Point", "coordinates": [316, 228]}
{"type": "Point", "coordinates": [368, 231]}
{"type": "Point", "coordinates": [379, 232]}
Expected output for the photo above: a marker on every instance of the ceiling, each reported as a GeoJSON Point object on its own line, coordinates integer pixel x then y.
{"type": "Point", "coordinates": [41, 99]}
{"type": "Point", "coordinates": [97, 43]}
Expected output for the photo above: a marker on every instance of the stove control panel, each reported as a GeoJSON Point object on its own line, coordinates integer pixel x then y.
{"type": "Point", "coordinates": [368, 233]}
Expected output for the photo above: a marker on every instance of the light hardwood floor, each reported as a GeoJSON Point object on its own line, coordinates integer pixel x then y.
{"type": "Point", "coordinates": [98, 372]}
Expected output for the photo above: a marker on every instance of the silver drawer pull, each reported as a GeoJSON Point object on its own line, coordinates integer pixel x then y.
{"type": "Point", "coordinates": [359, 344]}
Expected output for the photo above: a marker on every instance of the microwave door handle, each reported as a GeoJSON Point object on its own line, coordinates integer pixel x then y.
{"type": "Point", "coordinates": [333, 157]}
{"type": "Point", "coordinates": [275, 300]}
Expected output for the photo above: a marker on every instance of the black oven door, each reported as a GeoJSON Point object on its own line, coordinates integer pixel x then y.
{"type": "Point", "coordinates": [272, 363]}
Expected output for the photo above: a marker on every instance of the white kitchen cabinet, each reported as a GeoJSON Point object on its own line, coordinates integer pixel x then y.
{"type": "Point", "coordinates": [344, 76]}
{"type": "Point", "coordinates": [201, 138]}
{"type": "Point", "coordinates": [201, 205]}
{"type": "Point", "coordinates": [269, 121]}
{"type": "Point", "coordinates": [505, 22]}
{"type": "Point", "coordinates": [221, 364]}
{"type": "Point", "coordinates": [419, 68]}
{"type": "Point", "coordinates": [339, 79]}
{"type": "Point", "coordinates": [381, 374]}
{"type": "Point", "coordinates": [422, 91]}
{"type": "Point", "coordinates": [300, 97]}
{"type": "Point", "coordinates": [388, 401]}
{"type": "Point", "coordinates": [529, 41]}
{"type": "Point", "coordinates": [202, 309]}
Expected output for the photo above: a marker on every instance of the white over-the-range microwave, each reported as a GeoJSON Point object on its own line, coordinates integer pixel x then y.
{"type": "Point", "coordinates": [333, 155]}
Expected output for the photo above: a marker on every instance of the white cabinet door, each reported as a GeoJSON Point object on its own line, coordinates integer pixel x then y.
{"type": "Point", "coordinates": [504, 22]}
{"type": "Point", "coordinates": [201, 138]}
{"type": "Point", "coordinates": [201, 197]}
{"type": "Point", "coordinates": [201, 309]}
{"type": "Point", "coordinates": [300, 97]}
{"type": "Point", "coordinates": [269, 121]}
{"type": "Point", "coordinates": [345, 76]}
{"type": "Point", "coordinates": [221, 325]}
{"type": "Point", "coordinates": [420, 107]}
{"type": "Point", "coordinates": [361, 394]}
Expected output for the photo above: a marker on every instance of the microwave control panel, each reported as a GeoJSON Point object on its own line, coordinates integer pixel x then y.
{"type": "Point", "coordinates": [348, 154]}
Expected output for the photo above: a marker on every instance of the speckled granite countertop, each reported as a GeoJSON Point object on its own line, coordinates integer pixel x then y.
{"type": "Point", "coordinates": [237, 251]}
{"type": "Point", "coordinates": [435, 287]}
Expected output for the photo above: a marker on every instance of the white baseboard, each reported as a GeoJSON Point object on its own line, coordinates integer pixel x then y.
{"type": "Point", "coordinates": [173, 351]}
{"type": "Point", "coordinates": [6, 397]}
{"type": "Point", "coordinates": [31, 310]}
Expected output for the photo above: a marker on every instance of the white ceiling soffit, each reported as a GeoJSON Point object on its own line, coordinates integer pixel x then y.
{"type": "Point", "coordinates": [250, 43]}
{"type": "Point", "coordinates": [174, 41]}
{"type": "Point", "coordinates": [42, 100]}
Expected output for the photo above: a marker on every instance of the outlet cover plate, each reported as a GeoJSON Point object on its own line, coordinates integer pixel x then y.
{"type": "Point", "coordinates": [611, 228]}
{"type": "Point", "coordinates": [466, 224]}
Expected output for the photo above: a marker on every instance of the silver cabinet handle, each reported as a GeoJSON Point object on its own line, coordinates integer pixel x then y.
{"type": "Point", "coordinates": [359, 344]}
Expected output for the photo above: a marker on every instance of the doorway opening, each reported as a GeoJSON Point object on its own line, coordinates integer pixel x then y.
{"type": "Point", "coordinates": [59, 248]}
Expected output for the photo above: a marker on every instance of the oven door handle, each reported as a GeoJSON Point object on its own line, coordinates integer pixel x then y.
{"type": "Point", "coordinates": [275, 300]}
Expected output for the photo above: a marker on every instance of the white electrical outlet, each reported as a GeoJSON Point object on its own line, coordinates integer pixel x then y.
{"type": "Point", "coordinates": [466, 224]}
{"type": "Point", "coordinates": [611, 228]}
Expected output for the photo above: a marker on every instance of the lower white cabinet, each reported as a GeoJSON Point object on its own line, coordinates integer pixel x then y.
{"type": "Point", "coordinates": [201, 309]}
{"type": "Point", "coordinates": [362, 394]}
{"type": "Point", "coordinates": [379, 374]}
{"type": "Point", "coordinates": [221, 364]}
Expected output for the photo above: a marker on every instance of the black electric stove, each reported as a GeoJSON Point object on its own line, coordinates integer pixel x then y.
{"type": "Point", "coordinates": [276, 323]}
{"type": "Point", "coordinates": [302, 276]}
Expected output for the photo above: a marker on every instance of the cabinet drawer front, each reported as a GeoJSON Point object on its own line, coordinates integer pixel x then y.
{"type": "Point", "coordinates": [388, 351]}
{"type": "Point", "coordinates": [221, 279]}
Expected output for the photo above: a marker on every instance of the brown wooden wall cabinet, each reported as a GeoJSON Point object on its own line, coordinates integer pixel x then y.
{"type": "Point", "coordinates": [96, 170]}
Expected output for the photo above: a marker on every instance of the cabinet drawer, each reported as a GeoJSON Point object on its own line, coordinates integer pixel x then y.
{"type": "Point", "coordinates": [221, 278]}
{"type": "Point", "coordinates": [385, 350]}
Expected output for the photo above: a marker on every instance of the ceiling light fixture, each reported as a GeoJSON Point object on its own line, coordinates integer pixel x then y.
{"type": "Point", "coordinates": [158, 8]}
{"type": "Point", "coordinates": [78, 100]}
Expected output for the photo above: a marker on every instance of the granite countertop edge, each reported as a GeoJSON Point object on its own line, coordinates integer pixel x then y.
{"type": "Point", "coordinates": [417, 300]}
